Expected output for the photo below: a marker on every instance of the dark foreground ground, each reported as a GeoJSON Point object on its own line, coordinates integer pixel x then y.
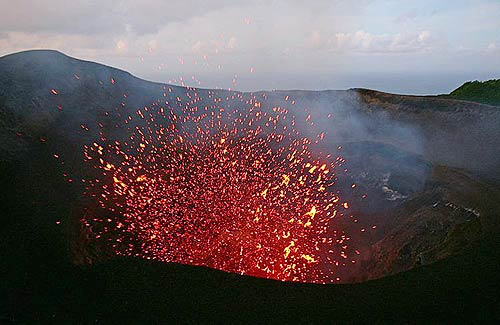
{"type": "Point", "coordinates": [463, 288]}
{"type": "Point", "coordinates": [40, 284]}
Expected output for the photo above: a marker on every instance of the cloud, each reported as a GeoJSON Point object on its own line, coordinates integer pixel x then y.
{"type": "Point", "coordinates": [195, 28]}
{"type": "Point", "coordinates": [365, 42]}
{"type": "Point", "coordinates": [407, 17]}
{"type": "Point", "coordinates": [100, 16]}
{"type": "Point", "coordinates": [152, 37]}
{"type": "Point", "coordinates": [18, 40]}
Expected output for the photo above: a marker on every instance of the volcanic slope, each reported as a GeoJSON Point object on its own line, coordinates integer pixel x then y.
{"type": "Point", "coordinates": [429, 167]}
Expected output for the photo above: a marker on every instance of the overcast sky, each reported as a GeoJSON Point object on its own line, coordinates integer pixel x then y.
{"type": "Point", "coordinates": [405, 46]}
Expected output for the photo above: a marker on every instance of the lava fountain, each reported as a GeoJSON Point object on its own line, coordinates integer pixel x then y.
{"type": "Point", "coordinates": [235, 189]}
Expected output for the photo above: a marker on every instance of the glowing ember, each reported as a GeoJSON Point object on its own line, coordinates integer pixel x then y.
{"type": "Point", "coordinates": [238, 190]}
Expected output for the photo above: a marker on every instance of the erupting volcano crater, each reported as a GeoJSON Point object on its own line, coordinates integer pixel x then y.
{"type": "Point", "coordinates": [240, 190]}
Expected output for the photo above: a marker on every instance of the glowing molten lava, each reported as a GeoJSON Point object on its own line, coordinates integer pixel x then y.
{"type": "Point", "coordinates": [238, 190]}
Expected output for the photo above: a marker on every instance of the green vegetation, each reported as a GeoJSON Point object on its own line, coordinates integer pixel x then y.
{"type": "Point", "coordinates": [486, 92]}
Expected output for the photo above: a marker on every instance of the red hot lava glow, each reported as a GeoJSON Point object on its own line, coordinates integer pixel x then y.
{"type": "Point", "coordinates": [238, 190]}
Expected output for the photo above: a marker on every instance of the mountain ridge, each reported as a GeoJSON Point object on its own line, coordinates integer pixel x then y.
{"type": "Point", "coordinates": [38, 52]}
{"type": "Point", "coordinates": [140, 92]}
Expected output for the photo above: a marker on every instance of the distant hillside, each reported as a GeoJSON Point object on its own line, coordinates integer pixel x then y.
{"type": "Point", "coordinates": [486, 92]}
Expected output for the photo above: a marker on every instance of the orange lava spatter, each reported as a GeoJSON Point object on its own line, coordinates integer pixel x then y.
{"type": "Point", "coordinates": [239, 190]}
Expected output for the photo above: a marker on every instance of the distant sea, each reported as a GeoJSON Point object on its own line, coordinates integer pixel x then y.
{"type": "Point", "coordinates": [411, 83]}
